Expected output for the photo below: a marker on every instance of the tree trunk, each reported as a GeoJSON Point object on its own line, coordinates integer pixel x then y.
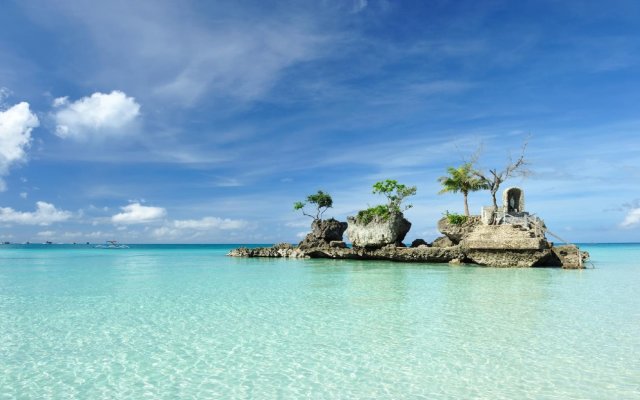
{"type": "Point", "coordinates": [466, 203]}
{"type": "Point", "coordinates": [493, 218]}
{"type": "Point", "coordinates": [493, 198]}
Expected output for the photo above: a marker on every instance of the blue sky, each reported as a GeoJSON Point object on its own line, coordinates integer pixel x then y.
{"type": "Point", "coordinates": [167, 121]}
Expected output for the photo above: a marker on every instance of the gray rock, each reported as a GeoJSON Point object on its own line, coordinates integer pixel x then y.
{"type": "Point", "coordinates": [337, 244]}
{"type": "Point", "coordinates": [323, 232]}
{"type": "Point", "coordinates": [388, 253]}
{"type": "Point", "coordinates": [442, 241]}
{"type": "Point", "coordinates": [458, 232]}
{"type": "Point", "coordinates": [506, 246]}
{"type": "Point", "coordinates": [419, 242]}
{"type": "Point", "coordinates": [378, 232]}
{"type": "Point", "coordinates": [569, 256]}
{"type": "Point", "coordinates": [509, 258]}
{"type": "Point", "coordinates": [278, 250]}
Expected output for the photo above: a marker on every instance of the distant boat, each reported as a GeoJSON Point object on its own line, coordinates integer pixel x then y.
{"type": "Point", "coordinates": [112, 244]}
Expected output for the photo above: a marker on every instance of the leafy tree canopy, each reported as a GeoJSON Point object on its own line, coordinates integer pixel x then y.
{"type": "Point", "coordinates": [463, 179]}
{"type": "Point", "coordinates": [321, 201]}
{"type": "Point", "coordinates": [395, 193]}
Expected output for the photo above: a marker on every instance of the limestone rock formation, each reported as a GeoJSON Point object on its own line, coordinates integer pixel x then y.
{"type": "Point", "coordinates": [570, 256]}
{"type": "Point", "coordinates": [456, 232]}
{"type": "Point", "coordinates": [506, 245]}
{"type": "Point", "coordinates": [419, 242]}
{"type": "Point", "coordinates": [388, 253]}
{"type": "Point", "coordinates": [277, 250]}
{"type": "Point", "coordinates": [378, 232]}
{"type": "Point", "coordinates": [323, 232]}
{"type": "Point", "coordinates": [442, 241]}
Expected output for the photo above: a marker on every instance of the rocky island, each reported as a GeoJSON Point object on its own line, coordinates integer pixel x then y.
{"type": "Point", "coordinates": [505, 236]}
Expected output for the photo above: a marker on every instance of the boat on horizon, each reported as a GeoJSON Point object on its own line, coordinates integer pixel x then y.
{"type": "Point", "coordinates": [112, 244]}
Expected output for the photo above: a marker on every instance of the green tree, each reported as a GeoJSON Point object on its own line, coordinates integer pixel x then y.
{"type": "Point", "coordinates": [395, 193]}
{"type": "Point", "coordinates": [321, 200]}
{"type": "Point", "coordinates": [462, 180]}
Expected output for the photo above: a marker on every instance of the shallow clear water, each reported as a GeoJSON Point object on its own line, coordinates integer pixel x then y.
{"type": "Point", "coordinates": [187, 322]}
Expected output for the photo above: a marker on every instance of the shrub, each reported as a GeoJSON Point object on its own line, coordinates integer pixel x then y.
{"type": "Point", "coordinates": [366, 216]}
{"type": "Point", "coordinates": [395, 193]}
{"type": "Point", "coordinates": [456, 219]}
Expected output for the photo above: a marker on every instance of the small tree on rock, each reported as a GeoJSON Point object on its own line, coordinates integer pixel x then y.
{"type": "Point", "coordinates": [464, 180]}
{"type": "Point", "coordinates": [395, 193]}
{"type": "Point", "coordinates": [321, 200]}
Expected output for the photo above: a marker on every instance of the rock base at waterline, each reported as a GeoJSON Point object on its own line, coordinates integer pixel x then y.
{"type": "Point", "coordinates": [560, 257]}
{"type": "Point", "coordinates": [389, 253]}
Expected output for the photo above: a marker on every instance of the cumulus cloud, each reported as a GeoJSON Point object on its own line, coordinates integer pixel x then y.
{"type": "Point", "coordinates": [95, 116]}
{"type": "Point", "coordinates": [16, 124]}
{"type": "Point", "coordinates": [45, 214]}
{"type": "Point", "coordinates": [136, 213]}
{"type": "Point", "coordinates": [632, 218]}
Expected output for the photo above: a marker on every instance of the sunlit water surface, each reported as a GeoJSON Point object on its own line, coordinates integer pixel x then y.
{"type": "Point", "coordinates": [179, 322]}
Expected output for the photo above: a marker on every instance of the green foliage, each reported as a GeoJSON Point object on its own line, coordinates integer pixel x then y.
{"type": "Point", "coordinates": [395, 193]}
{"type": "Point", "coordinates": [463, 179]}
{"type": "Point", "coordinates": [321, 200]}
{"type": "Point", "coordinates": [366, 216]}
{"type": "Point", "coordinates": [456, 219]}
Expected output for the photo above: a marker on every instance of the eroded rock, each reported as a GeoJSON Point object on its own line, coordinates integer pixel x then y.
{"type": "Point", "coordinates": [323, 232]}
{"type": "Point", "coordinates": [419, 242]}
{"type": "Point", "coordinates": [378, 232]}
{"type": "Point", "coordinates": [442, 241]}
{"type": "Point", "coordinates": [457, 232]}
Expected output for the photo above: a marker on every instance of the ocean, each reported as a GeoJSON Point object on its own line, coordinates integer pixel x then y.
{"type": "Point", "coordinates": [187, 322]}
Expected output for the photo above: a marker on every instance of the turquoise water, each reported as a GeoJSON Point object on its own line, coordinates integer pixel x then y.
{"type": "Point", "coordinates": [179, 322]}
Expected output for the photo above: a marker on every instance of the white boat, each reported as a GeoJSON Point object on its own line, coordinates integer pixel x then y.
{"type": "Point", "coordinates": [112, 244]}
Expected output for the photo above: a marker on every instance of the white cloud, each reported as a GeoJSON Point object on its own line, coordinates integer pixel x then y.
{"type": "Point", "coordinates": [16, 124]}
{"type": "Point", "coordinates": [46, 233]}
{"type": "Point", "coordinates": [24, 195]}
{"type": "Point", "coordinates": [98, 115]}
{"type": "Point", "coordinates": [136, 213]}
{"type": "Point", "coordinates": [631, 219]}
{"type": "Point", "coordinates": [45, 214]}
{"type": "Point", "coordinates": [207, 223]}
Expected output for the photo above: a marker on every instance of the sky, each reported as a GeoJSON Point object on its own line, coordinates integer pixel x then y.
{"type": "Point", "coordinates": [204, 121]}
